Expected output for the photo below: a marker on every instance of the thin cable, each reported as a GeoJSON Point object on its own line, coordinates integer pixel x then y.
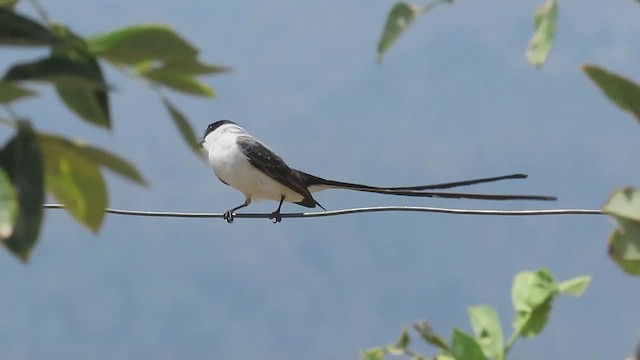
{"type": "Point", "coordinates": [174, 214]}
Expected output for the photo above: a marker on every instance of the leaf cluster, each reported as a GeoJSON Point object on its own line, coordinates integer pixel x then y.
{"type": "Point", "coordinates": [532, 295]}
{"type": "Point", "coordinates": [34, 163]}
{"type": "Point", "coordinates": [624, 243]}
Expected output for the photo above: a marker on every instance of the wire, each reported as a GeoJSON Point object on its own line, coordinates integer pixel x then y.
{"type": "Point", "coordinates": [173, 214]}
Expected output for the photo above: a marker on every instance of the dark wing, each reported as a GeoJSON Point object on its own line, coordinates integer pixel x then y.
{"type": "Point", "coordinates": [265, 160]}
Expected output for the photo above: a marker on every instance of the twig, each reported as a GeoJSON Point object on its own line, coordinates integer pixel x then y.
{"type": "Point", "coordinates": [175, 214]}
{"type": "Point", "coordinates": [435, 3]}
{"type": "Point", "coordinates": [41, 12]}
{"type": "Point", "coordinates": [12, 113]}
{"type": "Point", "coordinates": [7, 122]}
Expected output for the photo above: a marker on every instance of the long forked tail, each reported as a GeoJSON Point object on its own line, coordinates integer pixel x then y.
{"type": "Point", "coordinates": [419, 191]}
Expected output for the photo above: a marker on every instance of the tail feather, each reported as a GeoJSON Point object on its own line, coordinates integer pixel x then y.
{"type": "Point", "coordinates": [418, 191]}
{"type": "Point", "coordinates": [448, 195]}
{"type": "Point", "coordinates": [462, 183]}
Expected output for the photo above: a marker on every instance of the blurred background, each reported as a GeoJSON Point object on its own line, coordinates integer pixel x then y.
{"type": "Point", "coordinates": [454, 99]}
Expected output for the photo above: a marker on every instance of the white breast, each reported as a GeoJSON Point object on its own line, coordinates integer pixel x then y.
{"type": "Point", "coordinates": [232, 167]}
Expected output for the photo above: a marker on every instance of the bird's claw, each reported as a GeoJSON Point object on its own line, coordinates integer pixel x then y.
{"type": "Point", "coordinates": [228, 215]}
{"type": "Point", "coordinates": [276, 217]}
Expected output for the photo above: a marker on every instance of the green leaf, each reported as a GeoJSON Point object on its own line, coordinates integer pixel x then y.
{"type": "Point", "coordinates": [18, 30]}
{"type": "Point", "coordinates": [401, 345]}
{"type": "Point", "coordinates": [624, 243]}
{"type": "Point", "coordinates": [90, 104]}
{"type": "Point", "coordinates": [138, 43]}
{"type": "Point", "coordinates": [488, 331]}
{"type": "Point", "coordinates": [10, 92]}
{"type": "Point", "coordinates": [8, 206]}
{"type": "Point", "coordinates": [620, 90]}
{"type": "Point", "coordinates": [10, 4]}
{"type": "Point", "coordinates": [624, 246]}
{"type": "Point", "coordinates": [426, 332]}
{"type": "Point", "coordinates": [190, 66]}
{"type": "Point", "coordinates": [576, 286]}
{"type": "Point", "coordinates": [180, 82]}
{"type": "Point", "coordinates": [79, 83]}
{"type": "Point", "coordinates": [60, 70]}
{"type": "Point", "coordinates": [545, 23]}
{"type": "Point", "coordinates": [373, 354]}
{"type": "Point", "coordinates": [404, 341]}
{"type": "Point", "coordinates": [531, 289]}
{"type": "Point", "coordinates": [422, 357]}
{"type": "Point", "coordinates": [101, 157]}
{"type": "Point", "coordinates": [444, 357]}
{"type": "Point", "coordinates": [400, 17]}
{"type": "Point", "coordinates": [179, 75]}
{"type": "Point", "coordinates": [465, 347]}
{"type": "Point", "coordinates": [183, 126]}
{"type": "Point", "coordinates": [528, 324]}
{"type": "Point", "coordinates": [532, 295]}
{"type": "Point", "coordinates": [624, 203]}
{"type": "Point", "coordinates": [112, 162]}
{"type": "Point", "coordinates": [21, 159]}
{"type": "Point", "coordinates": [74, 180]}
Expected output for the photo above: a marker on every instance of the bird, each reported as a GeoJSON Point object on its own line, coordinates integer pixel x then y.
{"type": "Point", "coordinates": [245, 163]}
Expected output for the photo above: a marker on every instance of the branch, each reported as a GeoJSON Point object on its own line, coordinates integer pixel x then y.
{"type": "Point", "coordinates": [41, 12]}
{"type": "Point", "coordinates": [435, 3]}
{"type": "Point", "coordinates": [174, 214]}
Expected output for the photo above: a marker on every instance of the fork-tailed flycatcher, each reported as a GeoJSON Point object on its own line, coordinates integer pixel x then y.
{"type": "Point", "coordinates": [243, 162]}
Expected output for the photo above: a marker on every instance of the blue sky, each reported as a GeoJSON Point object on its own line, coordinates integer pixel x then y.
{"type": "Point", "coordinates": [461, 102]}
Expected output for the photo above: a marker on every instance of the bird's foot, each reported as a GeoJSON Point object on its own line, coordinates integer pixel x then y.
{"type": "Point", "coordinates": [228, 215]}
{"type": "Point", "coordinates": [276, 217]}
